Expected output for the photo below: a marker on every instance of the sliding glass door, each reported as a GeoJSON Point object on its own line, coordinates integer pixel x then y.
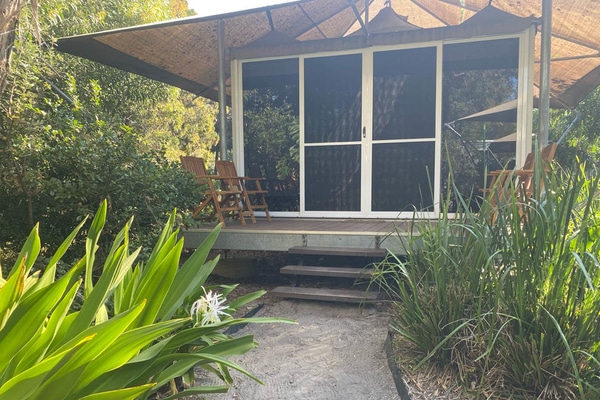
{"type": "Point", "coordinates": [332, 133]}
{"type": "Point", "coordinates": [352, 166]}
{"type": "Point", "coordinates": [364, 133]}
{"type": "Point", "coordinates": [403, 134]}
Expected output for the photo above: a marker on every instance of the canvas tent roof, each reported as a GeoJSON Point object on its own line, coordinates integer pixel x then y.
{"type": "Point", "coordinates": [183, 52]}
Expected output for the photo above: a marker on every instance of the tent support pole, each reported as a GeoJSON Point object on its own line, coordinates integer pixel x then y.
{"type": "Point", "coordinates": [545, 72]}
{"type": "Point", "coordinates": [222, 94]}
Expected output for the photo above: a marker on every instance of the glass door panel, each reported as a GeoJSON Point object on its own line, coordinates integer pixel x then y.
{"type": "Point", "coordinates": [271, 129]}
{"type": "Point", "coordinates": [333, 178]}
{"type": "Point", "coordinates": [401, 176]}
{"type": "Point", "coordinates": [478, 76]}
{"type": "Point", "coordinates": [403, 138]}
{"type": "Point", "coordinates": [332, 132]}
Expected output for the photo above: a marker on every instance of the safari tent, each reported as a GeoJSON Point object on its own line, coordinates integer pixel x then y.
{"type": "Point", "coordinates": [344, 104]}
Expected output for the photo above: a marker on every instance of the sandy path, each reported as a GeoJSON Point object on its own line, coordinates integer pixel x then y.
{"type": "Point", "coordinates": [335, 352]}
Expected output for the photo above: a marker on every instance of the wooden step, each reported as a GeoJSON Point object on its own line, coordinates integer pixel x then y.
{"type": "Point", "coordinates": [335, 272]}
{"type": "Point", "coordinates": [338, 251]}
{"type": "Point", "coordinates": [324, 294]}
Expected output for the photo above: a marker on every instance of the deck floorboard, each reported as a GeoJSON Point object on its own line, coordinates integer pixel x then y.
{"type": "Point", "coordinates": [280, 234]}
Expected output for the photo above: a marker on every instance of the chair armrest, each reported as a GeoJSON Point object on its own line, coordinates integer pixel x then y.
{"type": "Point", "coordinates": [499, 172]}
{"type": "Point", "coordinates": [523, 172]}
{"type": "Point", "coordinates": [249, 178]}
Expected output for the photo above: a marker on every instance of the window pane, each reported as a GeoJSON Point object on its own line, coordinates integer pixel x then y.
{"type": "Point", "coordinates": [332, 178]}
{"type": "Point", "coordinates": [477, 76]}
{"type": "Point", "coordinates": [271, 129]}
{"type": "Point", "coordinates": [404, 94]}
{"type": "Point", "coordinates": [402, 173]}
{"type": "Point", "coordinates": [332, 99]}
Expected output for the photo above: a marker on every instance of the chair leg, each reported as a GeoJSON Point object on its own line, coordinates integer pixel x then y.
{"type": "Point", "coordinates": [249, 208]}
{"type": "Point", "coordinates": [201, 207]}
{"type": "Point", "coordinates": [266, 207]}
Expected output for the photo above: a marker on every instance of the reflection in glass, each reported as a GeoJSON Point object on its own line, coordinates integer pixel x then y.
{"type": "Point", "coordinates": [332, 178]}
{"type": "Point", "coordinates": [404, 94]}
{"type": "Point", "coordinates": [332, 99]}
{"type": "Point", "coordinates": [402, 173]}
{"type": "Point", "coordinates": [476, 77]}
{"type": "Point", "coordinates": [271, 129]}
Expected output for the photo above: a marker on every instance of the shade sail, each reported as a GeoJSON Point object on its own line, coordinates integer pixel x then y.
{"type": "Point", "coordinates": [183, 52]}
{"type": "Point", "coordinates": [505, 112]}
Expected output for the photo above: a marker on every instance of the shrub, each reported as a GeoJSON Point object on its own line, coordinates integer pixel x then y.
{"type": "Point", "coordinates": [133, 332]}
{"type": "Point", "coordinates": [513, 305]}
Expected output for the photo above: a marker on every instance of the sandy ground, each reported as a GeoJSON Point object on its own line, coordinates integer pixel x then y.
{"type": "Point", "coordinates": [334, 352]}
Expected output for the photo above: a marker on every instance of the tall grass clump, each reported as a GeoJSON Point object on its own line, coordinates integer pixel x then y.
{"type": "Point", "coordinates": [511, 302]}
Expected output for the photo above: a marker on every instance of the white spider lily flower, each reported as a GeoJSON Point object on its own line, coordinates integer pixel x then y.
{"type": "Point", "coordinates": [208, 309]}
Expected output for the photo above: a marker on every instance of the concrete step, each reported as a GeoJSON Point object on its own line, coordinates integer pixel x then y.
{"type": "Point", "coordinates": [334, 272]}
{"type": "Point", "coordinates": [324, 294]}
{"type": "Point", "coordinates": [338, 251]}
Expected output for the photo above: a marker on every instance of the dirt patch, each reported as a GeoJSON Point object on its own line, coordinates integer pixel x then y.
{"type": "Point", "coordinates": [426, 383]}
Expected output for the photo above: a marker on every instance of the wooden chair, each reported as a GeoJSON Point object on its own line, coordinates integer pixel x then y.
{"type": "Point", "coordinates": [504, 183]}
{"type": "Point", "coordinates": [223, 199]}
{"type": "Point", "coordinates": [254, 194]}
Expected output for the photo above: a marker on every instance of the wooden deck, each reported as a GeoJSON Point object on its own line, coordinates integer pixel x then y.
{"type": "Point", "coordinates": [281, 234]}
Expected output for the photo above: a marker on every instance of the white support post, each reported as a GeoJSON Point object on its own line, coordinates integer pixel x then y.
{"type": "Point", "coordinates": [545, 56]}
{"type": "Point", "coordinates": [222, 94]}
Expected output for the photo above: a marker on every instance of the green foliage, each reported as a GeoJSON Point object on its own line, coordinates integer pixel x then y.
{"type": "Point", "coordinates": [512, 305]}
{"type": "Point", "coordinates": [582, 142]}
{"type": "Point", "coordinates": [132, 334]}
{"type": "Point", "coordinates": [272, 139]}
{"type": "Point", "coordinates": [73, 132]}
{"type": "Point", "coordinates": [271, 143]}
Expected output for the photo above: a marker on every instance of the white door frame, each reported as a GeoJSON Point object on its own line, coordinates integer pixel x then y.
{"type": "Point", "coordinates": [524, 119]}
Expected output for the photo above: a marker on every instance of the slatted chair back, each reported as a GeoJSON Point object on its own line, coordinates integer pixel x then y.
{"type": "Point", "coordinates": [526, 176]}
{"type": "Point", "coordinates": [196, 166]}
{"type": "Point", "coordinates": [218, 199]}
{"type": "Point", "coordinates": [519, 182]}
{"type": "Point", "coordinates": [254, 194]}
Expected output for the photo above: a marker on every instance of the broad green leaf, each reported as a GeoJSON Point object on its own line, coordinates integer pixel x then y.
{"type": "Point", "coordinates": [50, 271]}
{"type": "Point", "coordinates": [190, 276]}
{"type": "Point", "coordinates": [240, 301]}
{"type": "Point", "coordinates": [184, 362]}
{"type": "Point", "coordinates": [164, 367]}
{"type": "Point", "coordinates": [124, 268]}
{"type": "Point", "coordinates": [160, 254]}
{"type": "Point", "coordinates": [101, 315]}
{"type": "Point", "coordinates": [104, 337]}
{"type": "Point", "coordinates": [124, 348]}
{"type": "Point", "coordinates": [29, 315]}
{"type": "Point", "coordinates": [198, 390]}
{"type": "Point", "coordinates": [91, 245]}
{"type": "Point", "coordinates": [232, 347]}
{"type": "Point", "coordinates": [10, 293]}
{"type": "Point", "coordinates": [165, 235]}
{"type": "Point", "coordinates": [125, 291]}
{"type": "Point", "coordinates": [155, 285]}
{"type": "Point", "coordinates": [37, 350]}
{"type": "Point", "coordinates": [23, 386]}
{"type": "Point", "coordinates": [121, 394]}
{"type": "Point", "coordinates": [121, 240]}
{"type": "Point", "coordinates": [29, 252]}
{"type": "Point", "coordinates": [112, 328]}
{"type": "Point", "coordinates": [96, 297]}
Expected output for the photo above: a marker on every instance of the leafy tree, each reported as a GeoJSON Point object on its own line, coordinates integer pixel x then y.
{"type": "Point", "coordinates": [73, 132]}
{"type": "Point", "coordinates": [582, 143]}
